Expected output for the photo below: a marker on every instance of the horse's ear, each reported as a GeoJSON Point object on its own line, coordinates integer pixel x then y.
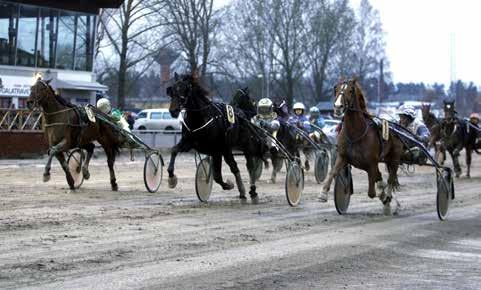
{"type": "Point", "coordinates": [176, 76]}
{"type": "Point", "coordinates": [48, 81]}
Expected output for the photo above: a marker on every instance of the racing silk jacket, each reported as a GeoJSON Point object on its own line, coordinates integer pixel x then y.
{"type": "Point", "coordinates": [420, 130]}
{"type": "Point", "coordinates": [301, 122]}
{"type": "Point", "coordinates": [267, 122]}
{"type": "Point", "coordinates": [318, 123]}
{"type": "Point", "coordinates": [119, 119]}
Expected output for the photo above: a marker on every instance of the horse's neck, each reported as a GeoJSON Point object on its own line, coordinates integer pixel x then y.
{"type": "Point", "coordinates": [51, 105]}
{"type": "Point", "coordinates": [197, 111]}
{"type": "Point", "coordinates": [354, 122]}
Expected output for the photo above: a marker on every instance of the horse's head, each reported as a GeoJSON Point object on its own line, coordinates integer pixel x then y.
{"type": "Point", "coordinates": [348, 97]}
{"type": "Point", "coordinates": [449, 109]}
{"type": "Point", "coordinates": [39, 92]}
{"type": "Point", "coordinates": [425, 110]}
{"type": "Point", "coordinates": [185, 93]}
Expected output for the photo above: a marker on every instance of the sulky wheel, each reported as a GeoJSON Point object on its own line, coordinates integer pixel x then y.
{"type": "Point", "coordinates": [342, 190]}
{"type": "Point", "coordinates": [321, 166]}
{"type": "Point", "coordinates": [204, 179]}
{"type": "Point", "coordinates": [75, 162]}
{"type": "Point", "coordinates": [445, 192]}
{"type": "Point", "coordinates": [294, 183]}
{"type": "Point", "coordinates": [153, 171]}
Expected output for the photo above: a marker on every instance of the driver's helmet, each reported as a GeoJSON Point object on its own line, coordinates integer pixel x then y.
{"type": "Point", "coordinates": [474, 116]}
{"type": "Point", "coordinates": [314, 112]}
{"type": "Point", "coordinates": [299, 106]}
{"type": "Point", "coordinates": [103, 104]}
{"type": "Point", "coordinates": [265, 107]}
{"type": "Point", "coordinates": [407, 110]}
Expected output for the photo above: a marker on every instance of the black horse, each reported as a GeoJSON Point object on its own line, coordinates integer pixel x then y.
{"type": "Point", "coordinates": [205, 128]}
{"type": "Point", "coordinates": [456, 135]}
{"type": "Point", "coordinates": [286, 136]}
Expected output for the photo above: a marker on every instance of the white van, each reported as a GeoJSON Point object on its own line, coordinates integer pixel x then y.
{"type": "Point", "coordinates": [156, 119]}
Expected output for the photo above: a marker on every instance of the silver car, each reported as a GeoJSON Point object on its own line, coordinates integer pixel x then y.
{"type": "Point", "coordinates": [156, 119]}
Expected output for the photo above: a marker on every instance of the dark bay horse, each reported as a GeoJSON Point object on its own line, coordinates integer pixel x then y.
{"type": "Point", "coordinates": [361, 145]}
{"type": "Point", "coordinates": [65, 130]}
{"type": "Point", "coordinates": [206, 129]}
{"type": "Point", "coordinates": [456, 136]}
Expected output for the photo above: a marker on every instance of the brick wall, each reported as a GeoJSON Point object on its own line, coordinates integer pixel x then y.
{"type": "Point", "coordinates": [22, 144]}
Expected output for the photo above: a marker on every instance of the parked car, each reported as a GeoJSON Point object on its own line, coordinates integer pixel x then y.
{"type": "Point", "coordinates": [156, 119]}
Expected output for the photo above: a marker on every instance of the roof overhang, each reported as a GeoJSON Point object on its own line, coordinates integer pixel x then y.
{"type": "Point", "coordinates": [79, 85]}
{"type": "Point", "coordinates": [87, 6]}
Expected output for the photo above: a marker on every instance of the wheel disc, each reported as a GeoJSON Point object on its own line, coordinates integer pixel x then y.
{"type": "Point", "coordinates": [321, 166]}
{"type": "Point", "coordinates": [204, 179]}
{"type": "Point", "coordinates": [153, 172]}
{"type": "Point", "coordinates": [343, 190]}
{"type": "Point", "coordinates": [75, 162]}
{"type": "Point", "coordinates": [294, 183]}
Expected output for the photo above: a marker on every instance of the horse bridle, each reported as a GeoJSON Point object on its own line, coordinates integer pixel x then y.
{"type": "Point", "coordinates": [350, 107]}
{"type": "Point", "coordinates": [37, 100]}
{"type": "Point", "coordinates": [347, 106]}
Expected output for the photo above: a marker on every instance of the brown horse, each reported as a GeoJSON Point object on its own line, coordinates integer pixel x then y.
{"type": "Point", "coordinates": [434, 126]}
{"type": "Point", "coordinates": [65, 130]}
{"type": "Point", "coordinates": [360, 144]}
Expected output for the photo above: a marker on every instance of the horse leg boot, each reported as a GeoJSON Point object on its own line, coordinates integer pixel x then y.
{"type": "Point", "coordinates": [469, 151]}
{"type": "Point", "coordinates": [455, 157]}
{"type": "Point", "coordinates": [90, 151]}
{"type": "Point", "coordinates": [340, 163]}
{"type": "Point", "coordinates": [217, 172]}
{"type": "Point", "coordinates": [54, 150]}
{"type": "Point", "coordinates": [276, 167]}
{"type": "Point", "coordinates": [110, 162]}
{"type": "Point", "coordinates": [229, 159]}
{"type": "Point", "coordinates": [68, 175]}
{"type": "Point", "coordinates": [252, 177]}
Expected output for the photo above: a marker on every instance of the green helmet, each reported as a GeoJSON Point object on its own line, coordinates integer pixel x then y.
{"type": "Point", "coordinates": [265, 107]}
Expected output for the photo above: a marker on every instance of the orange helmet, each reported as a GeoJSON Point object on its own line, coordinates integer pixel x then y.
{"type": "Point", "coordinates": [474, 116]}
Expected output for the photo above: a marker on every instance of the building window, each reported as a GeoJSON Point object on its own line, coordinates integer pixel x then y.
{"type": "Point", "coordinates": [65, 44]}
{"type": "Point", "coordinates": [44, 37]}
{"type": "Point", "coordinates": [27, 27]}
{"type": "Point", "coordinates": [8, 32]}
{"type": "Point", "coordinates": [47, 28]}
{"type": "Point", "coordinates": [84, 42]}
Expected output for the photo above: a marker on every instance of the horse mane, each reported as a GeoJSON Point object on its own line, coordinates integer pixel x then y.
{"type": "Point", "coordinates": [360, 96]}
{"type": "Point", "coordinates": [242, 101]}
{"type": "Point", "coordinates": [63, 101]}
{"type": "Point", "coordinates": [197, 87]}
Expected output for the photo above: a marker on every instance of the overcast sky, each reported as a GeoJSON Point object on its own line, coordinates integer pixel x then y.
{"type": "Point", "coordinates": [418, 34]}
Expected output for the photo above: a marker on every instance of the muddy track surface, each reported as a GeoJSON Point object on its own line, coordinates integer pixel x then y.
{"type": "Point", "coordinates": [96, 238]}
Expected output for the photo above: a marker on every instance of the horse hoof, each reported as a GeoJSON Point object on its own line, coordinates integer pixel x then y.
{"type": "Point", "coordinates": [255, 199]}
{"type": "Point", "coordinates": [323, 196]}
{"type": "Point", "coordinates": [243, 199]}
{"type": "Point", "coordinates": [172, 181]}
{"type": "Point", "coordinates": [387, 209]}
{"type": "Point", "coordinates": [46, 177]}
{"type": "Point", "coordinates": [228, 185]}
{"type": "Point", "coordinates": [307, 166]}
{"type": "Point", "coordinates": [115, 187]}
{"type": "Point", "coordinates": [86, 174]}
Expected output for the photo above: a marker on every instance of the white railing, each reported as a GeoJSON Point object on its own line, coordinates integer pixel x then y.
{"type": "Point", "coordinates": [159, 139]}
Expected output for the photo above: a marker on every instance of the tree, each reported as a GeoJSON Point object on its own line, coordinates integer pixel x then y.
{"type": "Point", "coordinates": [331, 24]}
{"type": "Point", "coordinates": [130, 35]}
{"type": "Point", "coordinates": [288, 30]}
{"type": "Point", "coordinates": [369, 46]}
{"type": "Point", "coordinates": [192, 25]}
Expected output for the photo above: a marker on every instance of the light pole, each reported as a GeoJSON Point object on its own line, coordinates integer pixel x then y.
{"type": "Point", "coordinates": [261, 78]}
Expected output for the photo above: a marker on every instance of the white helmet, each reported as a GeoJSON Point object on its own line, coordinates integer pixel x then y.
{"type": "Point", "coordinates": [314, 110]}
{"type": "Point", "coordinates": [265, 106]}
{"type": "Point", "coordinates": [299, 106]}
{"type": "Point", "coordinates": [104, 105]}
{"type": "Point", "coordinates": [407, 110]}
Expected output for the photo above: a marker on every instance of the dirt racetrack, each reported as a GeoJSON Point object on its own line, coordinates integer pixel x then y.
{"type": "Point", "coordinates": [99, 239]}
